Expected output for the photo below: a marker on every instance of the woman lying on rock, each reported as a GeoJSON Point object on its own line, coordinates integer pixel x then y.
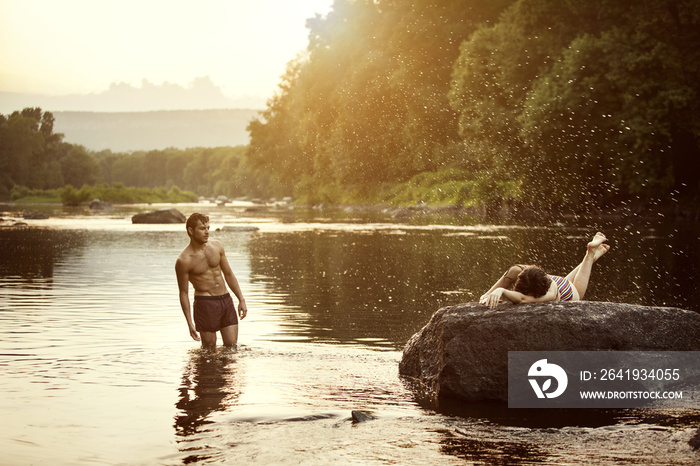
{"type": "Point", "coordinates": [531, 285]}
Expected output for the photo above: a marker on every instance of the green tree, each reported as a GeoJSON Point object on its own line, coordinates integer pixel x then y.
{"type": "Point", "coordinates": [274, 147]}
{"type": "Point", "coordinates": [79, 167]}
{"type": "Point", "coordinates": [584, 102]}
{"type": "Point", "coordinates": [129, 169]}
{"type": "Point", "coordinates": [30, 151]}
{"type": "Point", "coordinates": [21, 148]}
{"type": "Point", "coordinates": [366, 105]}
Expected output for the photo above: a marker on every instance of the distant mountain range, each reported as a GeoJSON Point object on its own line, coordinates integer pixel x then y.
{"type": "Point", "coordinates": [201, 93]}
{"type": "Point", "coordinates": [151, 116]}
{"type": "Point", "coordinates": [131, 131]}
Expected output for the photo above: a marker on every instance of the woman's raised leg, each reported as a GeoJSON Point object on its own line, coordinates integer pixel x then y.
{"type": "Point", "coordinates": [580, 276]}
{"type": "Point", "coordinates": [602, 249]}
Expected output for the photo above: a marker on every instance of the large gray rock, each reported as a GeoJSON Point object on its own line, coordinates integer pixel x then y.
{"type": "Point", "coordinates": [159, 216]}
{"type": "Point", "coordinates": [463, 350]}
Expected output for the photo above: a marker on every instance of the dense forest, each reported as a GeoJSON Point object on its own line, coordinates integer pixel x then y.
{"type": "Point", "coordinates": [33, 157]}
{"type": "Point", "coordinates": [534, 103]}
{"type": "Point", "coordinates": [530, 102]}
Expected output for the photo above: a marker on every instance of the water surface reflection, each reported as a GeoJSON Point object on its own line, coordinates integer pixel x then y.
{"type": "Point", "coordinates": [211, 382]}
{"type": "Point", "coordinates": [31, 253]}
{"type": "Point", "coordinates": [379, 288]}
{"type": "Point", "coordinates": [93, 345]}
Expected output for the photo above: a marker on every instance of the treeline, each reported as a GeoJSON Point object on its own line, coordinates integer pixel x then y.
{"type": "Point", "coordinates": [116, 192]}
{"type": "Point", "coordinates": [34, 158]}
{"type": "Point", "coordinates": [531, 102]}
{"type": "Point", "coordinates": [523, 102]}
{"type": "Point", "coordinates": [220, 171]}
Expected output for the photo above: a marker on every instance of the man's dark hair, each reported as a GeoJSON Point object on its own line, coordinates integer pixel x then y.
{"type": "Point", "coordinates": [194, 219]}
{"type": "Point", "coordinates": [533, 281]}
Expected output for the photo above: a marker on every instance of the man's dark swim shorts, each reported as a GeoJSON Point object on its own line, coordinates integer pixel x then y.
{"type": "Point", "coordinates": [212, 313]}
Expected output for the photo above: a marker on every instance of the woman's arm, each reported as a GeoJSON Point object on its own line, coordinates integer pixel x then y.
{"type": "Point", "coordinates": [507, 280]}
{"type": "Point", "coordinates": [496, 296]}
{"type": "Point", "coordinates": [550, 295]}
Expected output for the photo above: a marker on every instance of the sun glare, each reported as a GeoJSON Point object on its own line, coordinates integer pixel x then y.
{"type": "Point", "coordinates": [79, 46]}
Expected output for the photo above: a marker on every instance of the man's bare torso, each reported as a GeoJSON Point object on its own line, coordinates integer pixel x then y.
{"type": "Point", "coordinates": [203, 268]}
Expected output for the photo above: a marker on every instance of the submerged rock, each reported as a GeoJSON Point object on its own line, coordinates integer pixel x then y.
{"type": "Point", "coordinates": [694, 441]}
{"type": "Point", "coordinates": [159, 216]}
{"type": "Point", "coordinates": [462, 352]}
{"type": "Point", "coordinates": [35, 216]}
{"type": "Point", "coordinates": [361, 416]}
{"type": "Point", "coordinates": [238, 229]}
{"type": "Point", "coordinates": [97, 204]}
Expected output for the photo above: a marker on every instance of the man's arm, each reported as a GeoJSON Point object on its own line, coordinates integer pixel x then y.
{"type": "Point", "coordinates": [233, 283]}
{"type": "Point", "coordinates": [183, 286]}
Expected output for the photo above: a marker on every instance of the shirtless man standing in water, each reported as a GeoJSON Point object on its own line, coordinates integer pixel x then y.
{"type": "Point", "coordinates": [203, 263]}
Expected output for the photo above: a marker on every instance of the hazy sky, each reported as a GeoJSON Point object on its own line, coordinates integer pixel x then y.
{"type": "Point", "coordinates": [57, 47]}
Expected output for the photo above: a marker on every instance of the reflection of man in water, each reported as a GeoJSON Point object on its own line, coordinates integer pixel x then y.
{"type": "Point", "coordinates": [209, 383]}
{"type": "Point", "coordinates": [203, 263]}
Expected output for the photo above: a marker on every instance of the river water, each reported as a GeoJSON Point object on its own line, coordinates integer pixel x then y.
{"type": "Point", "coordinates": [98, 367]}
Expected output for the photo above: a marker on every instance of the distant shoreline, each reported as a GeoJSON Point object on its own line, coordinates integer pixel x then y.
{"type": "Point", "coordinates": [662, 213]}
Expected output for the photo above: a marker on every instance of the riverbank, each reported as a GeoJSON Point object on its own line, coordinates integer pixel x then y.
{"type": "Point", "coordinates": [654, 212]}
{"type": "Point", "coordinates": [103, 193]}
{"type": "Point", "coordinates": [648, 214]}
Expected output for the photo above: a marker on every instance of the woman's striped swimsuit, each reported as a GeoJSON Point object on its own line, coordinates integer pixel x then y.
{"type": "Point", "coordinates": [566, 293]}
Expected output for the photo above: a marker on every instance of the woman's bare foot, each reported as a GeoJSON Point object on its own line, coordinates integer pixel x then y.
{"type": "Point", "coordinates": [597, 240]}
{"type": "Point", "coordinates": [600, 250]}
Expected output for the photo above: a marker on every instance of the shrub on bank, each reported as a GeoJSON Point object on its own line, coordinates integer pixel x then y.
{"type": "Point", "coordinates": [116, 193]}
{"type": "Point", "coordinates": [33, 195]}
{"type": "Point", "coordinates": [452, 187]}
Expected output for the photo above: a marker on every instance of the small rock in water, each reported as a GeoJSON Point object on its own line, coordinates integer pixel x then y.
{"type": "Point", "coordinates": [97, 204]}
{"type": "Point", "coordinates": [695, 441]}
{"type": "Point", "coordinates": [35, 216]}
{"type": "Point", "coordinates": [242, 228]}
{"type": "Point", "coordinates": [361, 416]}
{"type": "Point", "coordinates": [160, 216]}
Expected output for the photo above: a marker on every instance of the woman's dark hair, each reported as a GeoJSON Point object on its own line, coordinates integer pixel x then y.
{"type": "Point", "coordinates": [532, 281]}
